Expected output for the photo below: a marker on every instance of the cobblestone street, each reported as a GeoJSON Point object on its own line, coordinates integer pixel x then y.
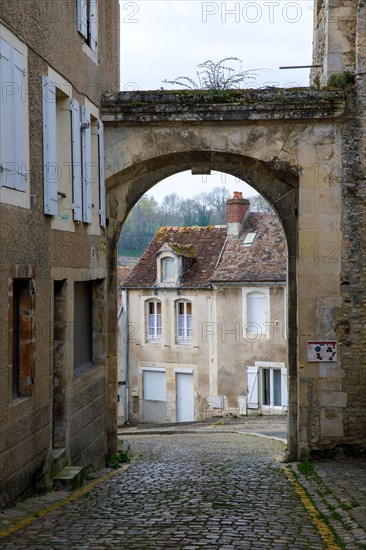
{"type": "Point", "coordinates": [188, 491]}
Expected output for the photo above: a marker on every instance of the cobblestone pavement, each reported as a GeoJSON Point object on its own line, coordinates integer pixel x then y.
{"type": "Point", "coordinates": [189, 491]}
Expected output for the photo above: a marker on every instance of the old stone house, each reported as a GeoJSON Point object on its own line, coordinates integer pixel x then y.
{"type": "Point", "coordinates": [205, 309]}
{"type": "Point", "coordinates": [57, 59]}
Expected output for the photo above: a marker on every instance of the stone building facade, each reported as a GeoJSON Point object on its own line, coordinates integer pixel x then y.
{"type": "Point", "coordinates": [205, 309]}
{"type": "Point", "coordinates": [304, 151]}
{"type": "Point", "coordinates": [57, 59]}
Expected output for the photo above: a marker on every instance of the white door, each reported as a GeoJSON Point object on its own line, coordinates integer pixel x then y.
{"type": "Point", "coordinates": [185, 397]}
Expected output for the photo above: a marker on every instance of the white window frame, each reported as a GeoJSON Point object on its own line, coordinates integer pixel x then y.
{"type": "Point", "coordinates": [249, 238]}
{"type": "Point", "coordinates": [168, 260]}
{"type": "Point", "coordinates": [183, 322]}
{"type": "Point", "coordinates": [272, 366]}
{"type": "Point", "coordinates": [14, 114]}
{"type": "Point", "coordinates": [250, 329]}
{"type": "Point", "coordinates": [255, 384]}
{"type": "Point", "coordinates": [154, 327]}
{"type": "Point", "coordinates": [161, 257]}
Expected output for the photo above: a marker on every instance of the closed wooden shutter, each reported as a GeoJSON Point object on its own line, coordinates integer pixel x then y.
{"type": "Point", "coordinates": [82, 15]}
{"type": "Point", "coordinates": [252, 388]}
{"type": "Point", "coordinates": [13, 168]}
{"type": "Point", "coordinates": [50, 168]}
{"type": "Point", "coordinates": [87, 166]}
{"type": "Point", "coordinates": [76, 160]}
{"type": "Point", "coordinates": [102, 213]}
{"type": "Point", "coordinates": [93, 17]}
{"type": "Point", "coordinates": [284, 391]}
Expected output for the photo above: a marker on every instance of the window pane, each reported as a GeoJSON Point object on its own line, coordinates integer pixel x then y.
{"type": "Point", "coordinates": [266, 387]}
{"type": "Point", "coordinates": [277, 387]}
{"type": "Point", "coordinates": [168, 269]}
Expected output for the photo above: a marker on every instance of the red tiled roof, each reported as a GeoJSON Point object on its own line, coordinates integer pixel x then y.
{"type": "Point", "coordinates": [204, 244]}
{"type": "Point", "coordinates": [262, 261]}
{"type": "Point", "coordinates": [216, 258]}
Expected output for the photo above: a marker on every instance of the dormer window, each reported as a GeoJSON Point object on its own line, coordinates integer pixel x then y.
{"type": "Point", "coordinates": [168, 272]}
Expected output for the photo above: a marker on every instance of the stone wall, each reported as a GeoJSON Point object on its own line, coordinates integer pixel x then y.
{"type": "Point", "coordinates": [35, 428]}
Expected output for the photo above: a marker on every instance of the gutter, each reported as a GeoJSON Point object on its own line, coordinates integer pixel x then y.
{"type": "Point", "coordinates": [127, 361]}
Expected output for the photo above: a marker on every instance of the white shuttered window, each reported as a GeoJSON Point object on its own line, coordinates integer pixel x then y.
{"type": "Point", "coordinates": [76, 160]}
{"type": "Point", "coordinates": [87, 165]}
{"type": "Point", "coordinates": [13, 168]}
{"type": "Point", "coordinates": [50, 171]}
{"type": "Point", "coordinates": [256, 312]}
{"type": "Point", "coordinates": [87, 13]}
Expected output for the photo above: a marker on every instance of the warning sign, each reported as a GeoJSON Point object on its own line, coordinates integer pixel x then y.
{"type": "Point", "coordinates": [325, 351]}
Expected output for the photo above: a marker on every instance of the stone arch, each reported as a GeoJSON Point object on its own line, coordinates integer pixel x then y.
{"type": "Point", "coordinates": [276, 180]}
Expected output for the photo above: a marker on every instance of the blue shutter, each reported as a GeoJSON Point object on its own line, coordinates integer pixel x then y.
{"type": "Point", "coordinates": [50, 175]}
{"type": "Point", "coordinates": [82, 14]}
{"type": "Point", "coordinates": [87, 166]}
{"type": "Point", "coordinates": [76, 160]}
{"type": "Point", "coordinates": [12, 118]}
{"type": "Point", "coordinates": [101, 173]}
{"type": "Point", "coordinates": [19, 99]}
{"type": "Point", "coordinates": [93, 17]}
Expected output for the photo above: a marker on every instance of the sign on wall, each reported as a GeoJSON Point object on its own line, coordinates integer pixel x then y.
{"type": "Point", "coordinates": [322, 351]}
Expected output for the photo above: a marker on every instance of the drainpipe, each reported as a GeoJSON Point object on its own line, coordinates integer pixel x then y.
{"type": "Point", "coordinates": [126, 360]}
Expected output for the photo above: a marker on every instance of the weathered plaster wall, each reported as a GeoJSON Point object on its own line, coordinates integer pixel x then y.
{"type": "Point", "coordinates": [236, 350]}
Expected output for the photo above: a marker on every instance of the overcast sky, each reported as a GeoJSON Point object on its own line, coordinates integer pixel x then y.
{"type": "Point", "coordinates": [164, 39]}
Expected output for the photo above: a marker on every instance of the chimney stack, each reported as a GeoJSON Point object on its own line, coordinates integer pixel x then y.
{"type": "Point", "coordinates": [236, 210]}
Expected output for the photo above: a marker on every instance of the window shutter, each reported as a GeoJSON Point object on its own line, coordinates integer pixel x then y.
{"type": "Point", "coordinates": [76, 160]}
{"type": "Point", "coordinates": [87, 166]}
{"type": "Point", "coordinates": [257, 309]}
{"type": "Point", "coordinates": [50, 175]}
{"type": "Point", "coordinates": [12, 137]}
{"type": "Point", "coordinates": [154, 386]}
{"type": "Point", "coordinates": [284, 398]}
{"type": "Point", "coordinates": [101, 173]}
{"type": "Point", "coordinates": [93, 16]}
{"type": "Point", "coordinates": [252, 388]}
{"type": "Point", "coordinates": [82, 14]}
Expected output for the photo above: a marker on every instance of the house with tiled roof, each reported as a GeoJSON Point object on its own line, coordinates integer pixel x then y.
{"type": "Point", "coordinates": [205, 312]}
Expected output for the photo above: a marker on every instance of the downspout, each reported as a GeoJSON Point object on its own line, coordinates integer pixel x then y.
{"type": "Point", "coordinates": [126, 360]}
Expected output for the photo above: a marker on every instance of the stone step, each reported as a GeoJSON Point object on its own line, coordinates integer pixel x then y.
{"type": "Point", "coordinates": [71, 477]}
{"type": "Point", "coordinates": [58, 461]}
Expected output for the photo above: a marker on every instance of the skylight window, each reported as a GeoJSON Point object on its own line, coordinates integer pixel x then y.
{"type": "Point", "coordinates": [249, 239]}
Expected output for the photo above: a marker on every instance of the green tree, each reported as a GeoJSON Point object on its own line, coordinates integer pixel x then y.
{"type": "Point", "coordinates": [140, 226]}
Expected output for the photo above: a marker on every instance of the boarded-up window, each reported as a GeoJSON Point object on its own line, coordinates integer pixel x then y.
{"type": "Point", "coordinates": [83, 323]}
{"type": "Point", "coordinates": [22, 327]}
{"type": "Point", "coordinates": [154, 385]}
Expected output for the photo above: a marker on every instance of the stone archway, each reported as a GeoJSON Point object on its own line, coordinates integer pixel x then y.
{"type": "Point", "coordinates": [278, 146]}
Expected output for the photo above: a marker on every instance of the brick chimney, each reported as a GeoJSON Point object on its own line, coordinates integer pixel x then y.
{"type": "Point", "coordinates": [236, 210]}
